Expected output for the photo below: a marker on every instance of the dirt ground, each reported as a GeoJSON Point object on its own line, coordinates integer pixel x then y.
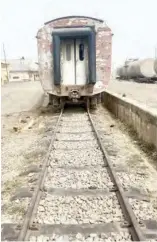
{"type": "Point", "coordinates": [26, 135]}
{"type": "Point", "coordinates": [21, 96]}
{"type": "Point", "coordinates": [144, 93]}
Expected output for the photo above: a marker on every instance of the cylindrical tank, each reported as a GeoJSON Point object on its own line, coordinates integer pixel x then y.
{"type": "Point", "coordinates": [119, 71]}
{"type": "Point", "coordinates": [141, 68]}
{"type": "Point", "coordinates": [122, 71]}
{"type": "Point", "coordinates": [127, 62]}
{"type": "Point", "coordinates": [155, 66]}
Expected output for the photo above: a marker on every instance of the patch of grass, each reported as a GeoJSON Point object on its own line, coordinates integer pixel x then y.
{"type": "Point", "coordinates": [32, 161]}
{"type": "Point", "coordinates": [46, 111]}
{"type": "Point", "coordinates": [34, 155]}
{"type": "Point", "coordinates": [16, 209]}
{"type": "Point", "coordinates": [41, 130]}
{"type": "Point", "coordinates": [10, 186]}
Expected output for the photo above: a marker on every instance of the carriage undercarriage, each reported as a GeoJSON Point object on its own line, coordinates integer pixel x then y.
{"type": "Point", "coordinates": [90, 101]}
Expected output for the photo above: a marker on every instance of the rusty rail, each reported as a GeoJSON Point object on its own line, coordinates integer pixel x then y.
{"type": "Point", "coordinates": [35, 199]}
{"type": "Point", "coordinates": [132, 223]}
{"type": "Point", "coordinates": [123, 200]}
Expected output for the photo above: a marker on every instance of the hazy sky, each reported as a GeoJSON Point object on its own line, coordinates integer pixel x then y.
{"type": "Point", "coordinates": [133, 23]}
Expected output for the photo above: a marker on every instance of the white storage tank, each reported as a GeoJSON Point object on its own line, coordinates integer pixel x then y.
{"type": "Point", "coordinates": [119, 71]}
{"type": "Point", "coordinates": [141, 68]}
{"type": "Point", "coordinates": [124, 71]}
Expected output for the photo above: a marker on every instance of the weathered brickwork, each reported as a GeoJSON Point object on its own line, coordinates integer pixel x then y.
{"type": "Point", "coordinates": [103, 48]}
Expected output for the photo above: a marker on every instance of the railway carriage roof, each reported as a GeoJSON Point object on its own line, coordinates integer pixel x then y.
{"type": "Point", "coordinates": [74, 16]}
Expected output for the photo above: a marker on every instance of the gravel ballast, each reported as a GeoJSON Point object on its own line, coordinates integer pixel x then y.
{"type": "Point", "coordinates": [76, 145]}
{"type": "Point", "coordinates": [75, 118]}
{"type": "Point", "coordinates": [78, 179]}
{"type": "Point", "coordinates": [74, 124]}
{"type": "Point", "coordinates": [79, 209]}
{"type": "Point", "coordinates": [77, 136]}
{"type": "Point", "coordinates": [93, 237]}
{"type": "Point", "coordinates": [78, 129]}
{"type": "Point", "coordinates": [87, 157]}
{"type": "Point", "coordinates": [137, 180]}
{"type": "Point", "coordinates": [23, 149]}
{"type": "Point", "coordinates": [132, 166]}
{"type": "Point", "coordinates": [76, 164]}
{"type": "Point", "coordinates": [144, 210]}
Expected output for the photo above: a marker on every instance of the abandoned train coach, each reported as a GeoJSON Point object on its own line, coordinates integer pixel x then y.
{"type": "Point", "coordinates": [74, 54]}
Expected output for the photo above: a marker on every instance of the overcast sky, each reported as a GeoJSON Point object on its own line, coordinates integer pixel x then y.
{"type": "Point", "coordinates": [133, 23]}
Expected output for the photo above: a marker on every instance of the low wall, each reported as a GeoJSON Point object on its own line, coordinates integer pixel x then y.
{"type": "Point", "coordinates": [140, 119]}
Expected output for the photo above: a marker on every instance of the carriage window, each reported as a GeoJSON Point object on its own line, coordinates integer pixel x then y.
{"type": "Point", "coordinates": [68, 52]}
{"type": "Point", "coordinates": [81, 52]}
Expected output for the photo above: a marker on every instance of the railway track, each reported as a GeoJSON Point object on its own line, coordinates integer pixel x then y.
{"type": "Point", "coordinates": [78, 196]}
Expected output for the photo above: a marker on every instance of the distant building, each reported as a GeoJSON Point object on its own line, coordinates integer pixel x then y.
{"type": "Point", "coordinates": [4, 73]}
{"type": "Point", "coordinates": [23, 70]}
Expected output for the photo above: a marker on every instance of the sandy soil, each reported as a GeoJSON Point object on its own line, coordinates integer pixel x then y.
{"type": "Point", "coordinates": [25, 140]}
{"type": "Point", "coordinates": [26, 134]}
{"type": "Point", "coordinates": [21, 96]}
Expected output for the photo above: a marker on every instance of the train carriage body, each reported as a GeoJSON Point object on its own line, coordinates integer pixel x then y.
{"type": "Point", "coordinates": [74, 55]}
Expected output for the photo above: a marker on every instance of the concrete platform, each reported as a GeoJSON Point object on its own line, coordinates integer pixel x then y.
{"type": "Point", "coordinates": [144, 93]}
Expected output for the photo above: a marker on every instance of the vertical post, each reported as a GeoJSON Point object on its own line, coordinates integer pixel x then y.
{"type": "Point", "coordinates": [5, 63]}
{"type": "Point", "coordinates": [56, 60]}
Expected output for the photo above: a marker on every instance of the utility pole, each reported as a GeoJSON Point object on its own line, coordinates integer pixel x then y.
{"type": "Point", "coordinates": [5, 62]}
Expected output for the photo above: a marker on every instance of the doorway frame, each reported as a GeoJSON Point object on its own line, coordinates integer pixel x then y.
{"type": "Point", "coordinates": [74, 32]}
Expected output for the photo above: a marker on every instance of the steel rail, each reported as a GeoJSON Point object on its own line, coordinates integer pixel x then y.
{"type": "Point", "coordinates": [133, 225]}
{"type": "Point", "coordinates": [123, 200]}
{"type": "Point", "coordinates": [35, 200]}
